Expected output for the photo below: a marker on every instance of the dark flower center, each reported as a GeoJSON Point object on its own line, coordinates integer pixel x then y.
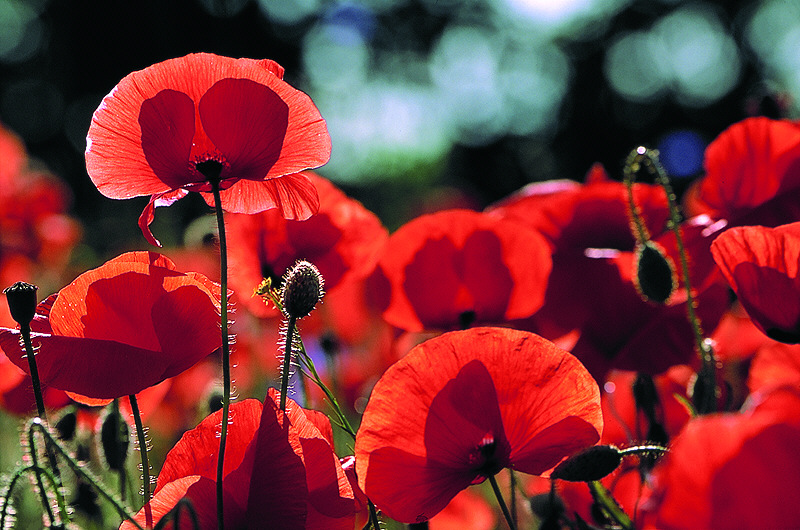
{"type": "Point", "coordinates": [211, 169]}
{"type": "Point", "coordinates": [483, 459]}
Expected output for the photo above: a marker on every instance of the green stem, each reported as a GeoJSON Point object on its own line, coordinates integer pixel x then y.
{"type": "Point", "coordinates": [80, 470]}
{"type": "Point", "coordinates": [287, 359]}
{"type": "Point", "coordinates": [373, 516]}
{"type": "Point", "coordinates": [513, 501]}
{"type": "Point", "coordinates": [25, 331]}
{"type": "Point", "coordinates": [643, 449]}
{"type": "Point", "coordinates": [137, 419]}
{"type": "Point", "coordinates": [121, 471]}
{"type": "Point", "coordinates": [649, 159]}
{"type": "Point", "coordinates": [609, 506]}
{"type": "Point", "coordinates": [34, 456]}
{"type": "Point", "coordinates": [5, 498]}
{"type": "Point", "coordinates": [502, 503]}
{"type": "Point", "coordinates": [226, 354]}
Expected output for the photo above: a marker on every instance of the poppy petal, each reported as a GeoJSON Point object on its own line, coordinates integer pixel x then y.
{"type": "Point", "coordinates": [88, 366]}
{"type": "Point", "coordinates": [465, 404]}
{"type": "Point", "coordinates": [747, 165]}
{"type": "Point", "coordinates": [167, 122]}
{"type": "Point", "coordinates": [196, 452]}
{"type": "Point", "coordinates": [148, 214]}
{"type": "Point", "coordinates": [247, 121]}
{"type": "Point", "coordinates": [761, 265]}
{"type": "Point", "coordinates": [294, 196]}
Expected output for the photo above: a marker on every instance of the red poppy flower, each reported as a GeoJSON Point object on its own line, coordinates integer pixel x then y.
{"type": "Point", "coordinates": [591, 215]}
{"type": "Point", "coordinates": [761, 265]}
{"type": "Point", "coordinates": [122, 327]}
{"type": "Point", "coordinates": [592, 286]}
{"type": "Point", "coordinates": [166, 130]}
{"type": "Point", "coordinates": [341, 240]}
{"type": "Point", "coordinates": [280, 472]}
{"type": "Point", "coordinates": [464, 405]}
{"type": "Point", "coordinates": [458, 267]}
{"type": "Point", "coordinates": [752, 174]}
{"type": "Point", "coordinates": [732, 470]}
{"type": "Point", "coordinates": [775, 365]}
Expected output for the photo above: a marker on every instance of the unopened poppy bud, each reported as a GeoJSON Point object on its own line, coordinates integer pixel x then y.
{"type": "Point", "coordinates": [589, 465]}
{"type": "Point", "coordinates": [21, 302]}
{"type": "Point", "coordinates": [547, 506]}
{"type": "Point", "coordinates": [655, 273]}
{"type": "Point", "coordinates": [114, 441]}
{"type": "Point", "coordinates": [67, 425]}
{"type": "Point", "coordinates": [302, 289]}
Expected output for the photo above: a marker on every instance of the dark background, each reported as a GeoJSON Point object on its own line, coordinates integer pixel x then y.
{"type": "Point", "coordinates": [81, 49]}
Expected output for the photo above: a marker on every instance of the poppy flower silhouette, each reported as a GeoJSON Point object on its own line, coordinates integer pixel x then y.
{"type": "Point", "coordinates": [460, 407]}
{"type": "Point", "coordinates": [178, 125]}
{"type": "Point", "coordinates": [120, 328]}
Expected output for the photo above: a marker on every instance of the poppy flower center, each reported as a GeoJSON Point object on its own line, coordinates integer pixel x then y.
{"type": "Point", "coordinates": [210, 169]}
{"type": "Point", "coordinates": [483, 459]}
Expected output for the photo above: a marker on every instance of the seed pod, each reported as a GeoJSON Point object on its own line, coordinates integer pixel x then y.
{"type": "Point", "coordinates": [21, 299]}
{"type": "Point", "coordinates": [589, 465]}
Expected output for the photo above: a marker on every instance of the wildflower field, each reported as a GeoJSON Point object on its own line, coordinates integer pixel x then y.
{"type": "Point", "coordinates": [258, 304]}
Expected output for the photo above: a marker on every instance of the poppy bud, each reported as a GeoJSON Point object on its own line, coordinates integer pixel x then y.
{"type": "Point", "coordinates": [114, 440]}
{"type": "Point", "coordinates": [302, 289]}
{"type": "Point", "coordinates": [547, 506]}
{"type": "Point", "coordinates": [21, 302]}
{"type": "Point", "coordinates": [589, 465]}
{"type": "Point", "coordinates": [67, 425]}
{"type": "Point", "coordinates": [655, 273]}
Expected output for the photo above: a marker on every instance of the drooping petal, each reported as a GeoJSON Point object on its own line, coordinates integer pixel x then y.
{"type": "Point", "coordinates": [460, 407]}
{"type": "Point", "coordinates": [761, 265]}
{"type": "Point", "coordinates": [148, 214]}
{"type": "Point", "coordinates": [750, 164]}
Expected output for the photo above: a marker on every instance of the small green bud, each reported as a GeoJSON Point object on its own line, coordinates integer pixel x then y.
{"type": "Point", "coordinates": [655, 273]}
{"type": "Point", "coordinates": [589, 465]}
{"type": "Point", "coordinates": [21, 302]}
{"type": "Point", "coordinates": [302, 289]}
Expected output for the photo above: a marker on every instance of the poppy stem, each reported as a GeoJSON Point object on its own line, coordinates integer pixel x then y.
{"type": "Point", "coordinates": [30, 353]}
{"type": "Point", "coordinates": [80, 470]}
{"type": "Point", "coordinates": [502, 503]}
{"type": "Point", "coordinates": [648, 158]}
{"type": "Point", "coordinates": [287, 359]}
{"type": "Point", "coordinates": [226, 354]}
{"type": "Point", "coordinates": [25, 331]}
{"type": "Point", "coordinates": [140, 436]}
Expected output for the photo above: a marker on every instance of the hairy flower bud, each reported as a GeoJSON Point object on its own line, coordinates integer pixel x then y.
{"type": "Point", "coordinates": [655, 273]}
{"type": "Point", "coordinates": [588, 465]}
{"type": "Point", "coordinates": [302, 289]}
{"type": "Point", "coordinates": [21, 302]}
